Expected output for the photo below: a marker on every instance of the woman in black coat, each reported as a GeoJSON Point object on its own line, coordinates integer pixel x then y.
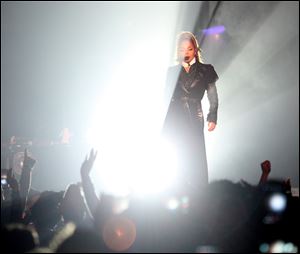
{"type": "Point", "coordinates": [184, 123]}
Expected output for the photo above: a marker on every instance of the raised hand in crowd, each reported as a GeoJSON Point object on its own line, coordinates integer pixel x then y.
{"type": "Point", "coordinates": [266, 169]}
{"type": "Point", "coordinates": [16, 202]}
{"type": "Point", "coordinates": [25, 181]}
{"type": "Point", "coordinates": [88, 163]}
{"type": "Point", "coordinates": [87, 185]}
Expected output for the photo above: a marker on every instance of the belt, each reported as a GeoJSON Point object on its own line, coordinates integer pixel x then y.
{"type": "Point", "coordinates": [188, 99]}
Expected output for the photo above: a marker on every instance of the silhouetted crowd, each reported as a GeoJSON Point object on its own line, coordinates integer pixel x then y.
{"type": "Point", "coordinates": [221, 217]}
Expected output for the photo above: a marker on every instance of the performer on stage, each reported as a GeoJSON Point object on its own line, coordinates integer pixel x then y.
{"type": "Point", "coordinates": [184, 122]}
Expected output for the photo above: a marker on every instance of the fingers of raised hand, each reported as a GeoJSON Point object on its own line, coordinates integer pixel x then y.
{"type": "Point", "coordinates": [93, 155]}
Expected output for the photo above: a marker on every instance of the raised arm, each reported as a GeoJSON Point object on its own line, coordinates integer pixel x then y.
{"type": "Point", "coordinates": [87, 185]}
{"type": "Point", "coordinates": [16, 201]}
{"type": "Point", "coordinates": [25, 181]}
{"type": "Point", "coordinates": [266, 169]}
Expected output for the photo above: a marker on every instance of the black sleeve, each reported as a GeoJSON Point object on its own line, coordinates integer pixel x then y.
{"type": "Point", "coordinates": [213, 103]}
{"type": "Point", "coordinates": [211, 75]}
{"type": "Point", "coordinates": [211, 78]}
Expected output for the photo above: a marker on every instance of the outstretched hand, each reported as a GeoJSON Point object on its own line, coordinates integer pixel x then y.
{"type": "Point", "coordinates": [88, 163]}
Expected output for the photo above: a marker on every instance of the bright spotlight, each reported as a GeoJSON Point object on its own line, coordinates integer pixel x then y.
{"type": "Point", "coordinates": [126, 125]}
{"type": "Point", "coordinates": [173, 204]}
{"type": "Point", "coordinates": [146, 168]}
{"type": "Point", "coordinates": [277, 202]}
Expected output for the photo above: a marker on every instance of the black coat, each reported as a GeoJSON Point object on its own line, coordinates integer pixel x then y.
{"type": "Point", "coordinates": [185, 110]}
